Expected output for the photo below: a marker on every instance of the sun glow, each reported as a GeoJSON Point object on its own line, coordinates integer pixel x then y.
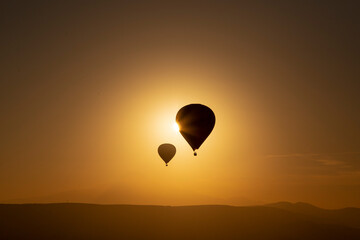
{"type": "Point", "coordinates": [176, 127]}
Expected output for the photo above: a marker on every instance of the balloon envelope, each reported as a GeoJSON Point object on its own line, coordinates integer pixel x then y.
{"type": "Point", "coordinates": [167, 152]}
{"type": "Point", "coordinates": [196, 121]}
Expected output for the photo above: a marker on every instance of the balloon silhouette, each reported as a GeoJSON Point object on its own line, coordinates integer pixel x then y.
{"type": "Point", "coordinates": [196, 122]}
{"type": "Point", "coordinates": [167, 152]}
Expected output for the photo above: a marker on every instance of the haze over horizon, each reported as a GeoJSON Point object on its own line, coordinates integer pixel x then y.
{"type": "Point", "coordinates": [91, 89]}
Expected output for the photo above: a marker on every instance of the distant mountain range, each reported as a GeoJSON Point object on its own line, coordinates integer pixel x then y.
{"type": "Point", "coordinates": [278, 221]}
{"type": "Point", "coordinates": [346, 216]}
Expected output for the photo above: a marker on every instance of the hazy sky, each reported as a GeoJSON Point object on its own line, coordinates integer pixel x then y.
{"type": "Point", "coordinates": [90, 89]}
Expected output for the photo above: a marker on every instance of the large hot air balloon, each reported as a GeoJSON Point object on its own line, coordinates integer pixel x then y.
{"type": "Point", "coordinates": [196, 121]}
{"type": "Point", "coordinates": [167, 152]}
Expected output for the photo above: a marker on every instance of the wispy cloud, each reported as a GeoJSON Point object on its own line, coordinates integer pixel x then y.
{"type": "Point", "coordinates": [317, 163]}
{"type": "Point", "coordinates": [330, 162]}
{"type": "Point", "coordinates": [293, 155]}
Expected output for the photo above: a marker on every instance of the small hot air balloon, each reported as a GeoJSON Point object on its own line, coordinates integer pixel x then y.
{"type": "Point", "coordinates": [167, 152]}
{"type": "Point", "coordinates": [196, 121]}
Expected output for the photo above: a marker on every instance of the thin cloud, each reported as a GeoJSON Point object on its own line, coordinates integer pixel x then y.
{"type": "Point", "coordinates": [293, 155]}
{"type": "Point", "coordinates": [316, 163]}
{"type": "Point", "coordinates": [330, 162]}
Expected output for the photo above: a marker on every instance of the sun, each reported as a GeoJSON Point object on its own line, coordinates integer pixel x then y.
{"type": "Point", "coordinates": [176, 127]}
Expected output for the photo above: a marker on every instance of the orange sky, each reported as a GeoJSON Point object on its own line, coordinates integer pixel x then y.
{"type": "Point", "coordinates": [90, 91]}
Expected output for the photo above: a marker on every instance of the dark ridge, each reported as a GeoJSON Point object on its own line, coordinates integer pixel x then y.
{"type": "Point", "coordinates": [345, 216]}
{"type": "Point", "coordinates": [91, 221]}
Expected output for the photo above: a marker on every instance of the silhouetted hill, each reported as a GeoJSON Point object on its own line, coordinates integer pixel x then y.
{"type": "Point", "coordinates": [89, 221]}
{"type": "Point", "coordinates": [346, 216]}
{"type": "Point", "coordinates": [300, 206]}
